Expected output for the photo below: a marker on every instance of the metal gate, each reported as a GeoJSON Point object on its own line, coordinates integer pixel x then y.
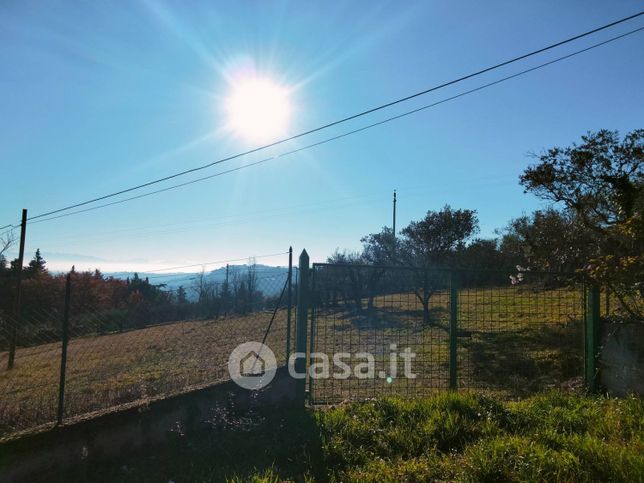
{"type": "Point", "coordinates": [410, 332]}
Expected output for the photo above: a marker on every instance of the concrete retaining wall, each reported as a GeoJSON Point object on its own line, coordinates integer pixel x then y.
{"type": "Point", "coordinates": [621, 362]}
{"type": "Point", "coordinates": [30, 458]}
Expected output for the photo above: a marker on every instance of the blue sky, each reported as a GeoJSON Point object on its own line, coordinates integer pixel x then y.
{"type": "Point", "coordinates": [98, 96]}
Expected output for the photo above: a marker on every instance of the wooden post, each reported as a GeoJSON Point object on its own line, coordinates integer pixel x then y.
{"type": "Point", "coordinates": [301, 327]}
{"type": "Point", "coordinates": [453, 330]}
{"type": "Point", "coordinates": [17, 309]}
{"type": "Point", "coordinates": [289, 302]}
{"type": "Point", "coordinates": [63, 355]}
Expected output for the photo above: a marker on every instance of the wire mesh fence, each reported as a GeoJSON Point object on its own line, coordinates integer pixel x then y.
{"type": "Point", "coordinates": [145, 347]}
{"type": "Point", "coordinates": [510, 332]}
{"type": "Point", "coordinates": [515, 333]}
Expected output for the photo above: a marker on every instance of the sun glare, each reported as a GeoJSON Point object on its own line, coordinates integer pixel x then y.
{"type": "Point", "coordinates": [258, 110]}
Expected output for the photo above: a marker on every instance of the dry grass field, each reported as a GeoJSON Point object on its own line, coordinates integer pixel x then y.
{"type": "Point", "coordinates": [108, 371]}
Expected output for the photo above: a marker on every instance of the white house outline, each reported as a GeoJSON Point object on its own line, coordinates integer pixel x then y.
{"type": "Point", "coordinates": [248, 367]}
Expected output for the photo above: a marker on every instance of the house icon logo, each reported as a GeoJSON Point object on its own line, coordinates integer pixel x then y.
{"type": "Point", "coordinates": [252, 365]}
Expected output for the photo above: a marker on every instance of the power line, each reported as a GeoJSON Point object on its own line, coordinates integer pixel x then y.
{"type": "Point", "coordinates": [246, 217]}
{"type": "Point", "coordinates": [351, 132]}
{"type": "Point", "coordinates": [346, 119]}
{"type": "Point", "coordinates": [213, 263]}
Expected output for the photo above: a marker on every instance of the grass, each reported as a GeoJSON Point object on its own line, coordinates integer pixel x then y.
{"type": "Point", "coordinates": [106, 371]}
{"type": "Point", "coordinates": [450, 436]}
{"type": "Point", "coordinates": [512, 340]}
{"type": "Point", "coordinates": [515, 341]}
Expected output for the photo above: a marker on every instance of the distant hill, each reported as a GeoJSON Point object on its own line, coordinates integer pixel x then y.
{"type": "Point", "coordinates": [270, 280]}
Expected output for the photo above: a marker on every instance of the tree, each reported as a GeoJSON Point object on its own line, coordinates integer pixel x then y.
{"type": "Point", "coordinates": [36, 265]}
{"type": "Point", "coordinates": [601, 180]}
{"type": "Point", "coordinates": [550, 239]}
{"type": "Point", "coordinates": [435, 241]}
{"type": "Point", "coordinates": [439, 237]}
{"type": "Point", "coordinates": [378, 249]}
{"type": "Point", "coordinates": [347, 282]}
{"type": "Point", "coordinates": [7, 239]}
{"type": "Point", "coordinates": [207, 297]}
{"type": "Point", "coordinates": [484, 261]}
{"type": "Point", "coordinates": [182, 297]}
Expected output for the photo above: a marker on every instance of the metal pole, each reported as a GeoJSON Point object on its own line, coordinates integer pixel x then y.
{"type": "Point", "coordinates": [453, 330]}
{"type": "Point", "coordinates": [301, 327]}
{"type": "Point", "coordinates": [289, 303]}
{"type": "Point", "coordinates": [592, 335]}
{"type": "Point", "coordinates": [17, 307]}
{"type": "Point", "coordinates": [227, 300]}
{"type": "Point", "coordinates": [63, 355]}
{"type": "Point", "coordinates": [394, 223]}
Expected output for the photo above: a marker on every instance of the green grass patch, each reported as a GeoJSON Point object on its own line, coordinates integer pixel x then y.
{"type": "Point", "coordinates": [450, 436]}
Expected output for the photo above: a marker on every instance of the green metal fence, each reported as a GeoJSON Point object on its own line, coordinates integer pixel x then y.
{"type": "Point", "coordinates": [508, 332]}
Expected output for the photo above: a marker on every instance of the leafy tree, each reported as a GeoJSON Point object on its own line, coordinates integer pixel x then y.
{"type": "Point", "coordinates": [550, 240]}
{"type": "Point", "coordinates": [485, 261]}
{"type": "Point", "coordinates": [380, 248]}
{"type": "Point", "coordinates": [435, 241]}
{"type": "Point", "coordinates": [483, 253]}
{"type": "Point", "coordinates": [602, 181]}
{"type": "Point", "coordinates": [438, 240]}
{"type": "Point", "coordinates": [439, 237]}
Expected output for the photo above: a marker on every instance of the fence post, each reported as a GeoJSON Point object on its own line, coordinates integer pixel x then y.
{"type": "Point", "coordinates": [453, 329]}
{"type": "Point", "coordinates": [289, 303]}
{"type": "Point", "coordinates": [17, 309]}
{"type": "Point", "coordinates": [63, 355]}
{"type": "Point", "coordinates": [591, 336]}
{"type": "Point", "coordinates": [301, 327]}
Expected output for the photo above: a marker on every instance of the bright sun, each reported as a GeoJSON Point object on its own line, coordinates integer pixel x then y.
{"type": "Point", "coordinates": [258, 109]}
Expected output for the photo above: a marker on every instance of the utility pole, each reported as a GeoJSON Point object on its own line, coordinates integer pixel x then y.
{"type": "Point", "coordinates": [394, 224]}
{"type": "Point", "coordinates": [17, 308]}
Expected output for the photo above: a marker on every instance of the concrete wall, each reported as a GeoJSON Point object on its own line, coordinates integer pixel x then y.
{"type": "Point", "coordinates": [31, 457]}
{"type": "Point", "coordinates": [621, 362]}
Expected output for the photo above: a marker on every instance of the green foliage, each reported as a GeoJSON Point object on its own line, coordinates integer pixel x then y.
{"type": "Point", "coordinates": [601, 181]}
{"type": "Point", "coordinates": [439, 236]}
{"type": "Point", "coordinates": [450, 436]}
{"type": "Point", "coordinates": [601, 178]}
{"type": "Point", "coordinates": [463, 437]}
{"type": "Point", "coordinates": [549, 240]}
